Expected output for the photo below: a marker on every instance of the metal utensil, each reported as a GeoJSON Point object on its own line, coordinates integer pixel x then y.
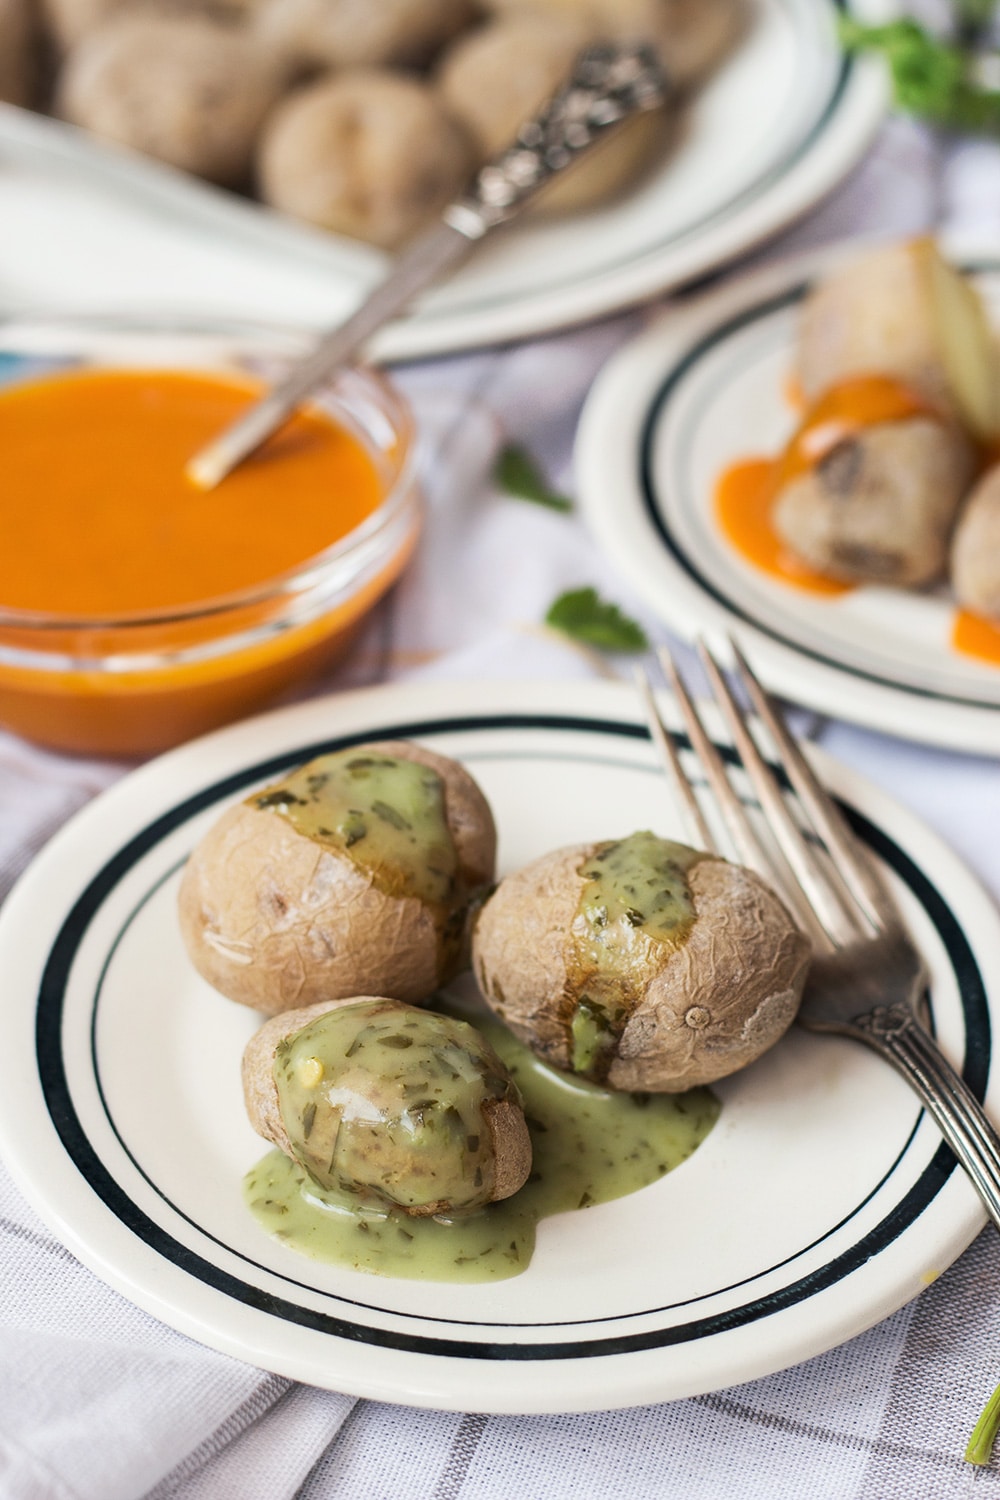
{"type": "Point", "coordinates": [607, 85]}
{"type": "Point", "coordinates": [867, 979]}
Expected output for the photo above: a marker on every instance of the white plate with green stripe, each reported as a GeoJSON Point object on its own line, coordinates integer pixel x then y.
{"type": "Point", "coordinates": [702, 388]}
{"type": "Point", "coordinates": [821, 1200]}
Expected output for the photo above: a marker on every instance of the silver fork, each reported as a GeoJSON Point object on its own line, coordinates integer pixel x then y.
{"type": "Point", "coordinates": [867, 980]}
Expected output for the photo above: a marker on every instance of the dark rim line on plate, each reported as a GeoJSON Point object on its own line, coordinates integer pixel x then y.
{"type": "Point", "coordinates": [53, 1081]}
{"type": "Point", "coordinates": [651, 503]}
{"type": "Point", "coordinates": [654, 770]}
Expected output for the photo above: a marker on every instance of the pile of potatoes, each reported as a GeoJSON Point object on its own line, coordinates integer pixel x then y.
{"type": "Point", "coordinates": [363, 116]}
{"type": "Point", "coordinates": [915, 498]}
{"type": "Point", "coordinates": [637, 964]}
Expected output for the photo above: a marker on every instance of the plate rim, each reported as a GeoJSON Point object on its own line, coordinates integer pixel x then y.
{"type": "Point", "coordinates": [625, 400]}
{"type": "Point", "coordinates": [415, 1384]}
{"type": "Point", "coordinates": [820, 159]}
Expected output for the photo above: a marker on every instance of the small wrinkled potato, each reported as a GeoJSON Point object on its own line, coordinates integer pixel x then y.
{"type": "Point", "coordinates": [353, 875]}
{"type": "Point", "coordinates": [361, 33]}
{"type": "Point", "coordinates": [691, 37]}
{"type": "Point", "coordinates": [880, 505]}
{"type": "Point", "coordinates": [69, 21]}
{"type": "Point", "coordinates": [370, 154]}
{"type": "Point", "coordinates": [17, 52]}
{"type": "Point", "coordinates": [497, 77]}
{"type": "Point", "coordinates": [975, 555]}
{"type": "Point", "coordinates": [389, 1104]}
{"type": "Point", "coordinates": [900, 310]}
{"type": "Point", "coordinates": [180, 88]}
{"type": "Point", "coordinates": [640, 964]}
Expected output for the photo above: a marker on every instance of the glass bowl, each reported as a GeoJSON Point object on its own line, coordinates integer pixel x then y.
{"type": "Point", "coordinates": [134, 684]}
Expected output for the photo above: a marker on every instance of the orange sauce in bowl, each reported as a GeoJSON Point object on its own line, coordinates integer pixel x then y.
{"type": "Point", "coordinates": [101, 526]}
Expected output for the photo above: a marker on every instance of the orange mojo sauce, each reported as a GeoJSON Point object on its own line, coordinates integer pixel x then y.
{"type": "Point", "coordinates": [746, 491]}
{"type": "Point", "coordinates": [100, 522]}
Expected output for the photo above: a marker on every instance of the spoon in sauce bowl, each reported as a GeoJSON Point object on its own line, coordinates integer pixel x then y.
{"type": "Point", "coordinates": [609, 83]}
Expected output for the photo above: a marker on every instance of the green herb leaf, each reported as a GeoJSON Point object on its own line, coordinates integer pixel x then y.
{"type": "Point", "coordinates": [980, 1449]}
{"type": "Point", "coordinates": [580, 613]}
{"type": "Point", "coordinates": [932, 79]}
{"type": "Point", "coordinates": [517, 474]}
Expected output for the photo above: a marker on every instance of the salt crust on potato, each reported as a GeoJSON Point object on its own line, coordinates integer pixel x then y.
{"type": "Point", "coordinates": [505, 1122]}
{"type": "Point", "coordinates": [182, 88]}
{"type": "Point", "coordinates": [275, 920]}
{"type": "Point", "coordinates": [706, 1009]}
{"type": "Point", "coordinates": [370, 154]}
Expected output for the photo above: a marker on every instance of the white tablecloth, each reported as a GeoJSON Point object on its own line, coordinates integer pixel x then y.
{"type": "Point", "coordinates": [98, 1401]}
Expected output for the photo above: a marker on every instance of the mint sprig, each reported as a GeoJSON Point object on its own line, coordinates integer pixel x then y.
{"type": "Point", "coordinates": [517, 474]}
{"type": "Point", "coordinates": [584, 616]}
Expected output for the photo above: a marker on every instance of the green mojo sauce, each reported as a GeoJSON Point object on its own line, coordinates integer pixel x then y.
{"type": "Point", "coordinates": [590, 1145]}
{"type": "Point", "coordinates": [386, 813]}
{"type": "Point", "coordinates": [383, 1104]}
{"type": "Point", "coordinates": [635, 899]}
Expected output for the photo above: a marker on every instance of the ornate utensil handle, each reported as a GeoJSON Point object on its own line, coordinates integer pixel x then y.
{"type": "Point", "coordinates": [895, 1033]}
{"type": "Point", "coordinates": [608, 84]}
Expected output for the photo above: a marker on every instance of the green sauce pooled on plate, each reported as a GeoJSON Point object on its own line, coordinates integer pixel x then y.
{"type": "Point", "coordinates": [589, 1145]}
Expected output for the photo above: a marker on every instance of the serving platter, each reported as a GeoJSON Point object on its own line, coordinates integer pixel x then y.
{"type": "Point", "coordinates": [781, 122]}
{"type": "Point", "coordinates": [821, 1201]}
{"type": "Point", "coordinates": [697, 391]}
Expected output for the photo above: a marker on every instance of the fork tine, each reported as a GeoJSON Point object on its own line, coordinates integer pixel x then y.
{"type": "Point", "coordinates": [860, 879]}
{"type": "Point", "coordinates": [749, 847]}
{"type": "Point", "coordinates": [840, 918]}
{"type": "Point", "coordinates": [698, 830]}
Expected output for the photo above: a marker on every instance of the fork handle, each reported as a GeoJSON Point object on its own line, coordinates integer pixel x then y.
{"type": "Point", "coordinates": [896, 1034]}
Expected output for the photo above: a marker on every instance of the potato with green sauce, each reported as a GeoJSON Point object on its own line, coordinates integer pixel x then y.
{"type": "Point", "coordinates": [384, 1103]}
{"type": "Point", "coordinates": [640, 964]}
{"type": "Point", "coordinates": [352, 875]}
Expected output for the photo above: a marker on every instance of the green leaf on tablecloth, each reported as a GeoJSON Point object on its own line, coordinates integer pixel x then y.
{"type": "Point", "coordinates": [517, 474]}
{"type": "Point", "coordinates": [582, 614]}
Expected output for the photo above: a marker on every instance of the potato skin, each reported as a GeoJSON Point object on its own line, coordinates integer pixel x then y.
{"type": "Point", "coordinates": [369, 154]}
{"type": "Point", "coordinates": [361, 33]}
{"type": "Point", "coordinates": [899, 310]}
{"type": "Point", "coordinates": [879, 507]}
{"type": "Point", "coordinates": [691, 37]}
{"type": "Point", "coordinates": [18, 61]}
{"type": "Point", "coordinates": [975, 555]}
{"type": "Point", "coordinates": [495, 78]}
{"type": "Point", "coordinates": [505, 1122]}
{"type": "Point", "coordinates": [706, 1009]}
{"type": "Point", "coordinates": [275, 921]}
{"type": "Point", "coordinates": [177, 87]}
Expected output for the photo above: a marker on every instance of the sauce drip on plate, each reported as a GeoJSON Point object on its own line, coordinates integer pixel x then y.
{"type": "Point", "coordinates": [589, 1145]}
